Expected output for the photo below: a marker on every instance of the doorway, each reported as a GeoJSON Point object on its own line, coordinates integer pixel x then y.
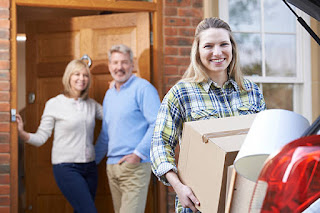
{"type": "Point", "coordinates": [26, 14]}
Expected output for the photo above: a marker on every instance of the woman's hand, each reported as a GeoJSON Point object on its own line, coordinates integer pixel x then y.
{"type": "Point", "coordinates": [19, 122]}
{"type": "Point", "coordinates": [22, 134]}
{"type": "Point", "coordinates": [185, 194]}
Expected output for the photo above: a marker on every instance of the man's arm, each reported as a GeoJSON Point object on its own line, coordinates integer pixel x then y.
{"type": "Point", "coordinates": [149, 105]}
{"type": "Point", "coordinates": [101, 147]}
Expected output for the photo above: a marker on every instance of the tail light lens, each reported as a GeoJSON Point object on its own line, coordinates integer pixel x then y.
{"type": "Point", "coordinates": [289, 180]}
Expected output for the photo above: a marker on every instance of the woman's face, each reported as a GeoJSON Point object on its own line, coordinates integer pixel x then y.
{"type": "Point", "coordinates": [215, 51]}
{"type": "Point", "coordinates": [79, 81]}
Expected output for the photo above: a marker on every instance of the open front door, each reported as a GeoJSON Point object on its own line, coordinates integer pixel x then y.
{"type": "Point", "coordinates": [50, 46]}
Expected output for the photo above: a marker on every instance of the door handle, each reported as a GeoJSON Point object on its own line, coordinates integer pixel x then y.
{"type": "Point", "coordinates": [31, 97]}
{"type": "Point", "coordinates": [86, 57]}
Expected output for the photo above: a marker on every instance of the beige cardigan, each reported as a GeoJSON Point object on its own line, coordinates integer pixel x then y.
{"type": "Point", "coordinates": [73, 122]}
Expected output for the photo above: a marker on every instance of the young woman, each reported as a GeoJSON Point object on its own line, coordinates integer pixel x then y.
{"type": "Point", "coordinates": [72, 116]}
{"type": "Point", "coordinates": [212, 87]}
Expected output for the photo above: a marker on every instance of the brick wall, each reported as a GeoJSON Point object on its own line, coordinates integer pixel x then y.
{"type": "Point", "coordinates": [180, 18]}
{"type": "Point", "coordinates": [4, 106]}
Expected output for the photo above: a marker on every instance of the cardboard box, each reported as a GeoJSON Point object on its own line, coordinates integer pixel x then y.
{"type": "Point", "coordinates": [239, 192]}
{"type": "Point", "coordinates": [208, 147]}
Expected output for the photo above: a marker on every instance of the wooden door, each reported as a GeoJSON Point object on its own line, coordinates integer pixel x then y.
{"type": "Point", "coordinates": [50, 46]}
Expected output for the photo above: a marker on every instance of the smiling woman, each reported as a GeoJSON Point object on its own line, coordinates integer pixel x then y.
{"type": "Point", "coordinates": [72, 116]}
{"type": "Point", "coordinates": [76, 80]}
{"type": "Point", "coordinates": [215, 51]}
{"type": "Point", "coordinates": [212, 87]}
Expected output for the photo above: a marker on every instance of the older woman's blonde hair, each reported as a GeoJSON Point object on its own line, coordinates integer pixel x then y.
{"type": "Point", "coordinates": [196, 70]}
{"type": "Point", "coordinates": [72, 67]}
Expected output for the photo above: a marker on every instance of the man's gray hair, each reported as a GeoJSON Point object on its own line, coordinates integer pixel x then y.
{"type": "Point", "coordinates": [121, 48]}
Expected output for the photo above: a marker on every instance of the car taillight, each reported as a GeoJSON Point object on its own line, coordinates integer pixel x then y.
{"type": "Point", "coordinates": [290, 179]}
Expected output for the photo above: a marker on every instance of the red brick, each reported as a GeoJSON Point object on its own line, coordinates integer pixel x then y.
{"type": "Point", "coordinates": [177, 3]}
{"type": "Point", "coordinates": [4, 148]}
{"type": "Point", "coordinates": [4, 55]}
{"type": "Point", "coordinates": [4, 86]}
{"type": "Point", "coordinates": [4, 96]}
{"type": "Point", "coordinates": [190, 12]}
{"type": "Point", "coordinates": [4, 75]}
{"type": "Point", "coordinates": [4, 44]}
{"type": "Point", "coordinates": [182, 69]}
{"type": "Point", "coordinates": [171, 51]}
{"type": "Point", "coordinates": [180, 41]}
{"type": "Point", "coordinates": [170, 60]}
{"type": "Point", "coordinates": [4, 24]}
{"type": "Point", "coordinates": [188, 32]}
{"type": "Point", "coordinates": [4, 34]}
{"type": "Point", "coordinates": [4, 158]}
{"type": "Point", "coordinates": [171, 70]}
{"type": "Point", "coordinates": [5, 209]}
{"type": "Point", "coordinates": [171, 80]}
{"type": "Point", "coordinates": [4, 137]}
{"type": "Point", "coordinates": [197, 3]}
{"type": "Point", "coordinates": [5, 200]}
{"type": "Point", "coordinates": [4, 13]}
{"type": "Point", "coordinates": [177, 21]}
{"type": "Point", "coordinates": [170, 11]}
{"type": "Point", "coordinates": [185, 51]}
{"type": "Point", "coordinates": [196, 21]}
{"type": "Point", "coordinates": [4, 117]}
{"type": "Point", "coordinates": [4, 168]}
{"type": "Point", "coordinates": [171, 41]}
{"type": "Point", "coordinates": [4, 127]}
{"type": "Point", "coordinates": [4, 189]}
{"type": "Point", "coordinates": [170, 31]}
{"type": "Point", "coordinates": [185, 41]}
{"type": "Point", "coordinates": [187, 12]}
{"type": "Point", "coordinates": [4, 65]}
{"type": "Point", "coordinates": [4, 107]}
{"type": "Point", "coordinates": [4, 3]}
{"type": "Point", "coordinates": [4, 179]}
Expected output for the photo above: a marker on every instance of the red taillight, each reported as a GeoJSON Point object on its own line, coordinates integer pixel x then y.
{"type": "Point", "coordinates": [290, 180]}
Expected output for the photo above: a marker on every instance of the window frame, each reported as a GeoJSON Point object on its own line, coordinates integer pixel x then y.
{"type": "Point", "coordinates": [302, 98]}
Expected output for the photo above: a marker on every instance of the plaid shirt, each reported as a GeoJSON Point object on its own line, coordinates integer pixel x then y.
{"type": "Point", "coordinates": [191, 101]}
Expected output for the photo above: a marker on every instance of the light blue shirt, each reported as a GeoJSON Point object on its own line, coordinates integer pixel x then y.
{"type": "Point", "coordinates": [129, 117]}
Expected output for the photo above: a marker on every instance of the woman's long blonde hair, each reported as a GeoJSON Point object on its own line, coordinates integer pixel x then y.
{"type": "Point", "coordinates": [72, 67]}
{"type": "Point", "coordinates": [196, 70]}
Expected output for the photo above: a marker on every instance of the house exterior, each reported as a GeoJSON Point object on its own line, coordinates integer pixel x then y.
{"type": "Point", "coordinates": [175, 20]}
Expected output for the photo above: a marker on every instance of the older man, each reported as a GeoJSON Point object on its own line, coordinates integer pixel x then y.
{"type": "Point", "coordinates": [130, 109]}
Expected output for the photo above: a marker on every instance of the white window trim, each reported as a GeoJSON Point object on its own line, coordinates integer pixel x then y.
{"type": "Point", "coordinates": [302, 100]}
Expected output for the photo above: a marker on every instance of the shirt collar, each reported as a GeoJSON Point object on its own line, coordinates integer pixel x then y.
{"type": "Point", "coordinates": [206, 85]}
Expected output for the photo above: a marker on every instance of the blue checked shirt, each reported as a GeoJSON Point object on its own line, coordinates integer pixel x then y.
{"type": "Point", "coordinates": [191, 101]}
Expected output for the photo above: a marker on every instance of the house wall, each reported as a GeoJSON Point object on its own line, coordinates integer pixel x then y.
{"type": "Point", "coordinates": [180, 18]}
{"type": "Point", "coordinates": [4, 106]}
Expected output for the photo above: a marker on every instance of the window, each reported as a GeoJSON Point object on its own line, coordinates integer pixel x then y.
{"type": "Point", "coordinates": [274, 51]}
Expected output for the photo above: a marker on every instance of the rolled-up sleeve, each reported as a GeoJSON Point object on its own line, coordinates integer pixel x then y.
{"type": "Point", "coordinates": [166, 135]}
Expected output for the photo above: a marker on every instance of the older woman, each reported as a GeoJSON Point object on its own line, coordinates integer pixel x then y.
{"type": "Point", "coordinates": [212, 87]}
{"type": "Point", "coordinates": [72, 116]}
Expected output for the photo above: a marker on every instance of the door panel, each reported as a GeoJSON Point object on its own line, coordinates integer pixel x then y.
{"type": "Point", "coordinates": [50, 46]}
